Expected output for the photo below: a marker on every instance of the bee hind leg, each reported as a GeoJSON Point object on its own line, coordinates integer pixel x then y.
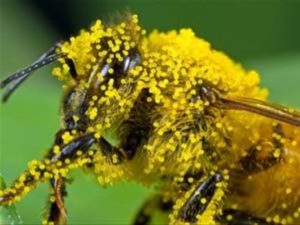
{"type": "Point", "coordinates": [237, 217]}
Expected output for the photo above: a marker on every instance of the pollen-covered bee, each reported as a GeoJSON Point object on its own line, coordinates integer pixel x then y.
{"type": "Point", "coordinates": [165, 109]}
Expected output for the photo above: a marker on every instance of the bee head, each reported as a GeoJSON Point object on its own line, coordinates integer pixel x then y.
{"type": "Point", "coordinates": [91, 58]}
{"type": "Point", "coordinates": [100, 53]}
{"type": "Point", "coordinates": [94, 63]}
{"type": "Point", "coordinates": [95, 68]}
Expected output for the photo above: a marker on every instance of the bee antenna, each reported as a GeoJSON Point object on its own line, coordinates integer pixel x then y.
{"type": "Point", "coordinates": [19, 77]}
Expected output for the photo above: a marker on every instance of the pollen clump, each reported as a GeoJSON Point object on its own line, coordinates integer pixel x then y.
{"type": "Point", "coordinates": [67, 137]}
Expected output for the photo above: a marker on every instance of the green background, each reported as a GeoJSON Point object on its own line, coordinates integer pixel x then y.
{"type": "Point", "coordinates": [259, 34]}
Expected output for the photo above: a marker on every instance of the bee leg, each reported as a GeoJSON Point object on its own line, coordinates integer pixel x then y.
{"type": "Point", "coordinates": [53, 167]}
{"type": "Point", "coordinates": [263, 155]}
{"type": "Point", "coordinates": [57, 211]}
{"type": "Point", "coordinates": [204, 198]}
{"type": "Point", "coordinates": [69, 151]}
{"type": "Point", "coordinates": [109, 151]}
{"type": "Point", "coordinates": [237, 217]}
{"type": "Point", "coordinates": [145, 213]}
{"type": "Point", "coordinates": [143, 216]}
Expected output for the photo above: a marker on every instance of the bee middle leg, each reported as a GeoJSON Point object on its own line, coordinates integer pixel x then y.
{"type": "Point", "coordinates": [145, 213]}
{"type": "Point", "coordinates": [237, 217]}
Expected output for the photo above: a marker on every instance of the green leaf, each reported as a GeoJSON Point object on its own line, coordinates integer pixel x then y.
{"type": "Point", "coordinates": [8, 214]}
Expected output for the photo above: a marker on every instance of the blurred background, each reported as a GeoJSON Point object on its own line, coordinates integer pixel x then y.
{"type": "Point", "coordinates": [262, 35]}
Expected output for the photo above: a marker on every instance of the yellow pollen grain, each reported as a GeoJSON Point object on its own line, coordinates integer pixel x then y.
{"type": "Point", "coordinates": [97, 135]}
{"type": "Point", "coordinates": [110, 70]}
{"type": "Point", "coordinates": [190, 180]}
{"type": "Point", "coordinates": [288, 191]}
{"type": "Point", "coordinates": [76, 118]}
{"type": "Point", "coordinates": [115, 158]}
{"type": "Point", "coordinates": [229, 217]}
{"type": "Point", "coordinates": [276, 219]}
{"type": "Point", "coordinates": [203, 201]}
{"type": "Point", "coordinates": [52, 199]}
{"type": "Point", "coordinates": [277, 153]}
{"type": "Point", "coordinates": [56, 150]}
{"type": "Point", "coordinates": [219, 125]}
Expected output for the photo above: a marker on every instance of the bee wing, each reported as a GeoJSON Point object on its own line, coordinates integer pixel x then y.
{"type": "Point", "coordinates": [267, 109]}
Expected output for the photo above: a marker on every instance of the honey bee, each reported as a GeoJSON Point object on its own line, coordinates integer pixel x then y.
{"type": "Point", "coordinates": [167, 110]}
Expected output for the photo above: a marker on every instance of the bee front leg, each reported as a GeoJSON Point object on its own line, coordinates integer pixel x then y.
{"type": "Point", "coordinates": [201, 204]}
{"type": "Point", "coordinates": [53, 167]}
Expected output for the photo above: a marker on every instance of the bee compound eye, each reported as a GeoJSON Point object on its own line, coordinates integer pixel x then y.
{"type": "Point", "coordinates": [131, 61]}
{"type": "Point", "coordinates": [117, 70]}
